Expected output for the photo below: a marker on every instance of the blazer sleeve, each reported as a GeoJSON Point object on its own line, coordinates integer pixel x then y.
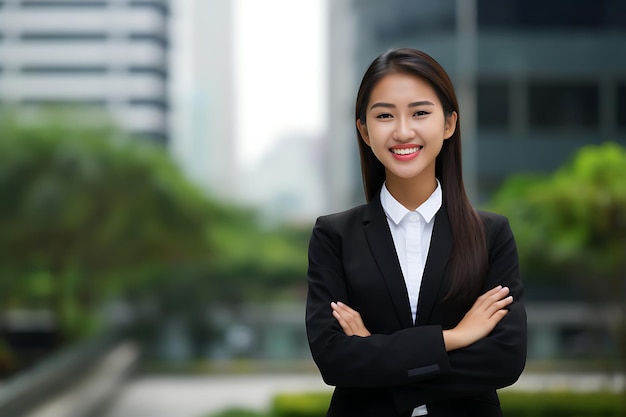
{"type": "Point", "coordinates": [380, 360]}
{"type": "Point", "coordinates": [497, 360]}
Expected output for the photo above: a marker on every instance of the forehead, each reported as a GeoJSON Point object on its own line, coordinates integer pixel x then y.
{"type": "Point", "coordinates": [401, 87]}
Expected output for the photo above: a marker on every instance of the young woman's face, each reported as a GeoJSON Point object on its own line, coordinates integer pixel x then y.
{"type": "Point", "coordinates": [405, 126]}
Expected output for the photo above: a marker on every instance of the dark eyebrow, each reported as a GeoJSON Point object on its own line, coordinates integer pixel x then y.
{"type": "Point", "coordinates": [392, 106]}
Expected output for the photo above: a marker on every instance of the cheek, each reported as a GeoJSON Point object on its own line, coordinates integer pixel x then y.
{"type": "Point", "coordinates": [378, 133]}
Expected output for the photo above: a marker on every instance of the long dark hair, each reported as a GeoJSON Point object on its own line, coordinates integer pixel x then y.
{"type": "Point", "coordinates": [468, 262]}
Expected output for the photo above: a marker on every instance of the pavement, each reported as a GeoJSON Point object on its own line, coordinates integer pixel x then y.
{"type": "Point", "coordinates": [167, 396]}
{"type": "Point", "coordinates": [201, 396]}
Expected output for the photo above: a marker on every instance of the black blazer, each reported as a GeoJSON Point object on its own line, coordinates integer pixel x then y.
{"type": "Point", "coordinates": [401, 365]}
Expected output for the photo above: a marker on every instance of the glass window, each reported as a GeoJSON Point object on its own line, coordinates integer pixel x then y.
{"type": "Point", "coordinates": [59, 4]}
{"type": "Point", "coordinates": [64, 36]}
{"type": "Point", "coordinates": [621, 106]}
{"type": "Point", "coordinates": [148, 102]}
{"type": "Point", "coordinates": [157, 5]}
{"type": "Point", "coordinates": [492, 104]}
{"type": "Point", "coordinates": [533, 14]}
{"type": "Point", "coordinates": [61, 102]}
{"type": "Point", "coordinates": [149, 37]}
{"type": "Point", "coordinates": [149, 70]}
{"type": "Point", "coordinates": [560, 105]}
{"type": "Point", "coordinates": [75, 70]}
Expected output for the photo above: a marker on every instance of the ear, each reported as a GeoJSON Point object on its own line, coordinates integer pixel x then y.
{"type": "Point", "coordinates": [362, 127]}
{"type": "Point", "coordinates": [450, 126]}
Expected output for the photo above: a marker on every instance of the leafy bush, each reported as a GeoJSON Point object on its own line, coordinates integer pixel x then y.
{"type": "Point", "coordinates": [300, 405]}
{"type": "Point", "coordinates": [514, 404]}
{"type": "Point", "coordinates": [562, 404]}
{"type": "Point", "coordinates": [238, 412]}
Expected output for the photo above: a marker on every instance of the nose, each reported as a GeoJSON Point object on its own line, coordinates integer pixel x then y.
{"type": "Point", "coordinates": [404, 130]}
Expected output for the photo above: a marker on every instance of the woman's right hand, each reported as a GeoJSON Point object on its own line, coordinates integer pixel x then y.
{"type": "Point", "coordinates": [480, 320]}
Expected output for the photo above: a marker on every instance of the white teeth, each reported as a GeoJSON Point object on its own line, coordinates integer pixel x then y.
{"type": "Point", "coordinates": [406, 151]}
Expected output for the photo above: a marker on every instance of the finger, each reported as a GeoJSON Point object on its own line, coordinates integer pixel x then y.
{"type": "Point", "coordinates": [491, 292]}
{"type": "Point", "coordinates": [346, 316]}
{"type": "Point", "coordinates": [484, 298]}
{"type": "Point", "coordinates": [345, 326]}
{"type": "Point", "coordinates": [348, 313]}
{"type": "Point", "coordinates": [492, 297]}
{"type": "Point", "coordinates": [497, 317]}
{"type": "Point", "coordinates": [350, 317]}
{"type": "Point", "coordinates": [345, 308]}
{"type": "Point", "coordinates": [499, 306]}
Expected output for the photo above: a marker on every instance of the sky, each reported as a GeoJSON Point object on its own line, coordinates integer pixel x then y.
{"type": "Point", "coordinates": [280, 81]}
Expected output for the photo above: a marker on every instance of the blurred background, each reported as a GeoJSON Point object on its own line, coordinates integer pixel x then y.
{"type": "Point", "coordinates": [162, 164]}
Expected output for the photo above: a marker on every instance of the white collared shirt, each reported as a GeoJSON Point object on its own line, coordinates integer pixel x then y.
{"type": "Point", "coordinates": [411, 232]}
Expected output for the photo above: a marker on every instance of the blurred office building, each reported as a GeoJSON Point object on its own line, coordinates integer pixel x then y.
{"type": "Point", "coordinates": [203, 94]}
{"type": "Point", "coordinates": [110, 55]}
{"type": "Point", "coordinates": [286, 184]}
{"type": "Point", "coordinates": [536, 79]}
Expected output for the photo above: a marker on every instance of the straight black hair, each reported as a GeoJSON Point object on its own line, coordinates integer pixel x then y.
{"type": "Point", "coordinates": [468, 262]}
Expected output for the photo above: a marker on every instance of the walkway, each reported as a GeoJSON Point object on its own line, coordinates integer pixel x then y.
{"type": "Point", "coordinates": [200, 396]}
{"type": "Point", "coordinates": [189, 396]}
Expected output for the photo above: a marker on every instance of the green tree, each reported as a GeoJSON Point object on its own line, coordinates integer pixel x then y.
{"type": "Point", "coordinates": [572, 225]}
{"type": "Point", "coordinates": [87, 213]}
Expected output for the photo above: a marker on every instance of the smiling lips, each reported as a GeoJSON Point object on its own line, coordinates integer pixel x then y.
{"type": "Point", "coordinates": [406, 153]}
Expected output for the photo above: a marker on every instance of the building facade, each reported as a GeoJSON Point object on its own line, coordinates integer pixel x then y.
{"type": "Point", "coordinates": [536, 80]}
{"type": "Point", "coordinates": [110, 55]}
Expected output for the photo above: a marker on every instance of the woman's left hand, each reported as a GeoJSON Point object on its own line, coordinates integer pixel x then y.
{"type": "Point", "coordinates": [349, 320]}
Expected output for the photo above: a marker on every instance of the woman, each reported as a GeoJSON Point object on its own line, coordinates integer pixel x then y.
{"type": "Point", "coordinates": [415, 304]}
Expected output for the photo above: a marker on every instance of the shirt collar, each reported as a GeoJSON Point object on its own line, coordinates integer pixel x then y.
{"type": "Point", "coordinates": [396, 211]}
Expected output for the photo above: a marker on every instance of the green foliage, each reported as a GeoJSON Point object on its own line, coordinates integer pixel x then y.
{"type": "Point", "coordinates": [573, 223]}
{"type": "Point", "coordinates": [85, 213]}
{"type": "Point", "coordinates": [300, 405]}
{"type": "Point", "coordinates": [239, 412]}
{"type": "Point", "coordinates": [562, 404]}
{"type": "Point", "coordinates": [88, 214]}
{"type": "Point", "coordinates": [571, 227]}
{"type": "Point", "coordinates": [257, 264]}
{"type": "Point", "coordinates": [514, 404]}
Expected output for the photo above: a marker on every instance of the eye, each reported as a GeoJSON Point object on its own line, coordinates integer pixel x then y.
{"type": "Point", "coordinates": [384, 116]}
{"type": "Point", "coordinates": [421, 113]}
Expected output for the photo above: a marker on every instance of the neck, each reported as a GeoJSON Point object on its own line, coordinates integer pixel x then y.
{"type": "Point", "coordinates": [411, 193]}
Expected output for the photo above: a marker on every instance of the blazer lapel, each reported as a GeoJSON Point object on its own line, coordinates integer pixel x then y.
{"type": "Point", "coordinates": [438, 255]}
{"type": "Point", "coordinates": [381, 244]}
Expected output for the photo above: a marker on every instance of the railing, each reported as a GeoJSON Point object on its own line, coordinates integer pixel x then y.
{"type": "Point", "coordinates": [74, 383]}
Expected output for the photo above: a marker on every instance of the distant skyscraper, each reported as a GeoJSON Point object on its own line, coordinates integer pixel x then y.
{"type": "Point", "coordinates": [342, 173]}
{"type": "Point", "coordinates": [99, 54]}
{"type": "Point", "coordinates": [203, 112]}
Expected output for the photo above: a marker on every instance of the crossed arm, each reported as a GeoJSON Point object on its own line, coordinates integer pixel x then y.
{"type": "Point", "coordinates": [478, 322]}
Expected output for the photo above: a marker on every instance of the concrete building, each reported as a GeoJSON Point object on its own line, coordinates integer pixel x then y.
{"type": "Point", "coordinates": [110, 55]}
{"type": "Point", "coordinates": [203, 94]}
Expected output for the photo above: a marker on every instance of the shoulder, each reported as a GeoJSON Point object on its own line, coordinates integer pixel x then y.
{"type": "Point", "coordinates": [331, 230]}
{"type": "Point", "coordinates": [497, 226]}
{"type": "Point", "coordinates": [342, 218]}
{"type": "Point", "coordinates": [491, 219]}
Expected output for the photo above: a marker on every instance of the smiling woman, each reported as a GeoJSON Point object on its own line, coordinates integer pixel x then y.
{"type": "Point", "coordinates": [399, 127]}
{"type": "Point", "coordinates": [280, 64]}
{"type": "Point", "coordinates": [415, 305]}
